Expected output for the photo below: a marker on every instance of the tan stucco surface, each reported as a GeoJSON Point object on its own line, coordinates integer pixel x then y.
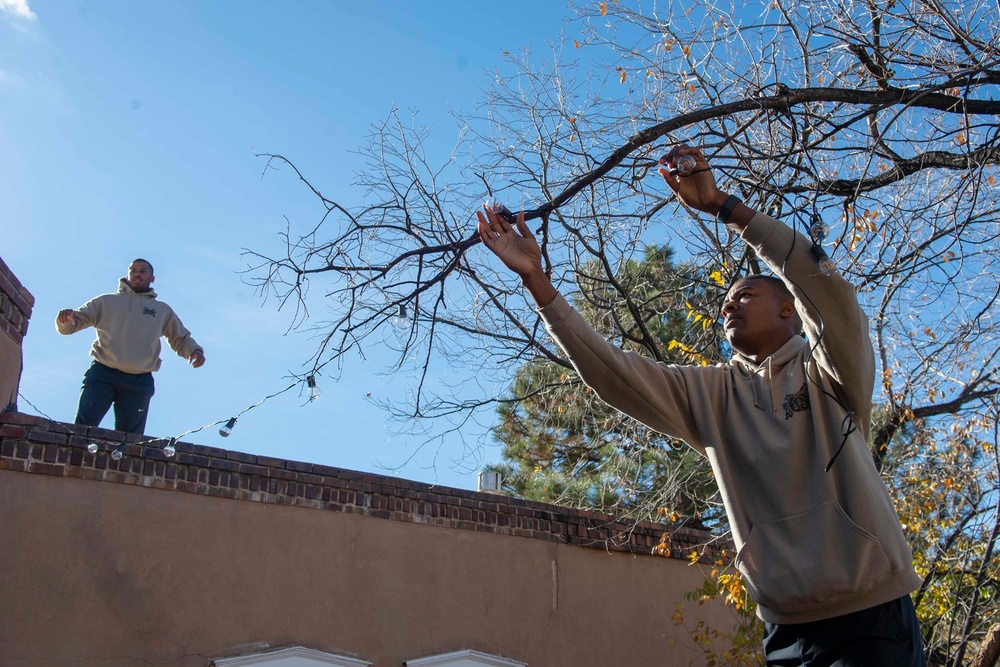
{"type": "Point", "coordinates": [100, 573]}
{"type": "Point", "coordinates": [10, 369]}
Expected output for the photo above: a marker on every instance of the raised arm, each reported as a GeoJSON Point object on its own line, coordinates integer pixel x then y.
{"type": "Point", "coordinates": [827, 304]}
{"type": "Point", "coordinates": [518, 250]}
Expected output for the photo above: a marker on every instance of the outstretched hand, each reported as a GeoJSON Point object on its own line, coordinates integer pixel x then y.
{"type": "Point", "coordinates": [67, 316]}
{"type": "Point", "coordinates": [516, 248]}
{"type": "Point", "coordinates": [697, 189]}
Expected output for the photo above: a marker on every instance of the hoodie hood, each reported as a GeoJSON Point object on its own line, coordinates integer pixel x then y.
{"type": "Point", "coordinates": [778, 360]}
{"type": "Point", "coordinates": [760, 375]}
{"type": "Point", "coordinates": [125, 288]}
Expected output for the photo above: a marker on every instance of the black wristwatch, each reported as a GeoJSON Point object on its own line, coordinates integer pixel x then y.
{"type": "Point", "coordinates": [727, 207]}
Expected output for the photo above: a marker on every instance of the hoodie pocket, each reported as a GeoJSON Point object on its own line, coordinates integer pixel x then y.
{"type": "Point", "coordinates": [811, 560]}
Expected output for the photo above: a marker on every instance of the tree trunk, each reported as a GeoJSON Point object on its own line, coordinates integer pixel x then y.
{"type": "Point", "coordinates": [990, 650]}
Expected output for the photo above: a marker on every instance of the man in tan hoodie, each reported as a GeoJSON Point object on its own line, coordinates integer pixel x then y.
{"type": "Point", "coordinates": [785, 426]}
{"type": "Point", "coordinates": [126, 351]}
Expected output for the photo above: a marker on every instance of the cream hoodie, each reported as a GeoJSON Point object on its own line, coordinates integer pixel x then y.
{"type": "Point", "coordinates": [129, 326]}
{"type": "Point", "coordinates": [810, 544]}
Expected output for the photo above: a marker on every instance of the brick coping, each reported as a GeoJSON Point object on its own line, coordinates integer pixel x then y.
{"type": "Point", "coordinates": [16, 304]}
{"type": "Point", "coordinates": [37, 445]}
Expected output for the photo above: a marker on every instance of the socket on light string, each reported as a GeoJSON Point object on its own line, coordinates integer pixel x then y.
{"type": "Point", "coordinates": [313, 389]}
{"type": "Point", "coordinates": [227, 430]}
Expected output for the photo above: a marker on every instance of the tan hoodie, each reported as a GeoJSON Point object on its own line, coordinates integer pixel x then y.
{"type": "Point", "coordinates": [129, 326]}
{"type": "Point", "coordinates": [811, 544]}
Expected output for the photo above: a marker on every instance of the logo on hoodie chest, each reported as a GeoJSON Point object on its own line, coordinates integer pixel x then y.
{"type": "Point", "coordinates": [152, 313]}
{"type": "Point", "coordinates": [797, 402]}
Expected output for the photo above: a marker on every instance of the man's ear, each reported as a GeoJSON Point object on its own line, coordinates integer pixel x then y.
{"type": "Point", "coordinates": [787, 309]}
{"type": "Point", "coordinates": [152, 279]}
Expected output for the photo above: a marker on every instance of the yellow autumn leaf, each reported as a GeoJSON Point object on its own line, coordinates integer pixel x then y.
{"type": "Point", "coordinates": [960, 139]}
{"type": "Point", "coordinates": [576, 43]}
{"type": "Point", "coordinates": [622, 76]}
{"type": "Point", "coordinates": [604, 8]}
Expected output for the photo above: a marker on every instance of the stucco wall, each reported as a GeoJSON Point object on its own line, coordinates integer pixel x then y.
{"type": "Point", "coordinates": [115, 563]}
{"type": "Point", "coordinates": [110, 574]}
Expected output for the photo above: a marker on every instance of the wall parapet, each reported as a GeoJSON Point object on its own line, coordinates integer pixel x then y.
{"type": "Point", "coordinates": [36, 445]}
{"type": "Point", "coordinates": [16, 303]}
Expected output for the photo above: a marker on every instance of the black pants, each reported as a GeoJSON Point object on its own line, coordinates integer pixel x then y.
{"type": "Point", "coordinates": [130, 394]}
{"type": "Point", "coordinates": [884, 636]}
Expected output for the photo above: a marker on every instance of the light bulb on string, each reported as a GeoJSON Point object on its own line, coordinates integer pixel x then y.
{"type": "Point", "coordinates": [826, 265]}
{"type": "Point", "coordinates": [818, 230]}
{"type": "Point", "coordinates": [313, 389]}
{"type": "Point", "coordinates": [400, 319]}
{"type": "Point", "coordinates": [170, 448]}
{"type": "Point", "coordinates": [685, 165]}
{"type": "Point", "coordinates": [118, 452]}
{"type": "Point", "coordinates": [93, 448]}
{"type": "Point", "coordinates": [497, 207]}
{"type": "Point", "coordinates": [227, 430]}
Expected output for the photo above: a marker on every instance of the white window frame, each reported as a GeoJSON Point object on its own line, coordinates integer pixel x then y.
{"type": "Point", "coordinates": [295, 656]}
{"type": "Point", "coordinates": [466, 658]}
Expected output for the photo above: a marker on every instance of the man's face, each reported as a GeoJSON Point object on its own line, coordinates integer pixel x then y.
{"type": "Point", "coordinates": [139, 276]}
{"type": "Point", "coordinates": [755, 318]}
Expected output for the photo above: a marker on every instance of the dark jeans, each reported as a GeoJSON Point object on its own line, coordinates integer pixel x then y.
{"type": "Point", "coordinates": [884, 636]}
{"type": "Point", "coordinates": [129, 392]}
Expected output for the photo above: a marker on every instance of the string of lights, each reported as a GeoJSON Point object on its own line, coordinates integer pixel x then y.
{"type": "Point", "coordinates": [170, 443]}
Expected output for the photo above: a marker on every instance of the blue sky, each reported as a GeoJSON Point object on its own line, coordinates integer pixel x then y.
{"type": "Point", "coordinates": [128, 128]}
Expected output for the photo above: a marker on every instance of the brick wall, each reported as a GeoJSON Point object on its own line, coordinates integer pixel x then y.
{"type": "Point", "coordinates": [35, 445]}
{"type": "Point", "coordinates": [16, 303]}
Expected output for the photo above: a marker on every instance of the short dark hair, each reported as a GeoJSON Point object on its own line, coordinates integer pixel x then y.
{"type": "Point", "coordinates": [777, 283]}
{"type": "Point", "coordinates": [148, 263]}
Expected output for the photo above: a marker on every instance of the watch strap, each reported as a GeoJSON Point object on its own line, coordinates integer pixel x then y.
{"type": "Point", "coordinates": [727, 207]}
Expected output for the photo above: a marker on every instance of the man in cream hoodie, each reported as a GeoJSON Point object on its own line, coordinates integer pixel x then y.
{"type": "Point", "coordinates": [127, 349]}
{"type": "Point", "coordinates": [785, 426]}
